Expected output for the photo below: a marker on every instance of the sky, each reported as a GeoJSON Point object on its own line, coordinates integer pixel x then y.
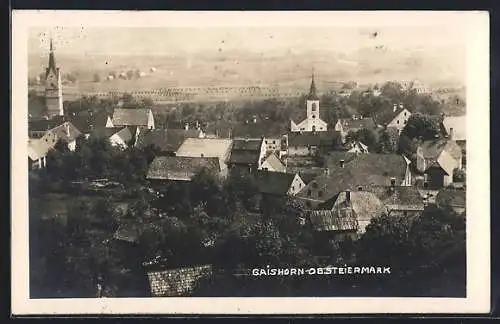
{"type": "Point", "coordinates": [181, 40]}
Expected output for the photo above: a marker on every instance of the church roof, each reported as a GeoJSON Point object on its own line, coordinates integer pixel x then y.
{"type": "Point", "coordinates": [52, 61]}
{"type": "Point", "coordinates": [312, 91]}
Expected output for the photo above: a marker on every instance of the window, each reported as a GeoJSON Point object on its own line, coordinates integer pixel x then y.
{"type": "Point", "coordinates": [274, 142]}
{"type": "Point", "coordinates": [405, 121]}
{"type": "Point", "coordinates": [405, 113]}
{"type": "Point", "coordinates": [313, 116]}
{"type": "Point", "coordinates": [397, 121]}
{"type": "Point", "coordinates": [313, 106]}
{"type": "Point", "coordinates": [360, 188]}
{"type": "Point", "coordinates": [293, 188]}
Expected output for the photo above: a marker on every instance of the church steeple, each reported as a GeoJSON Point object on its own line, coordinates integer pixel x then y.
{"type": "Point", "coordinates": [312, 91]}
{"type": "Point", "coordinates": [52, 60]}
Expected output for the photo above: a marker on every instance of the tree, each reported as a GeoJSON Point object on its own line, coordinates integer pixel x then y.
{"type": "Point", "coordinates": [367, 137]}
{"type": "Point", "coordinates": [388, 142]}
{"type": "Point", "coordinates": [130, 74]}
{"type": "Point", "coordinates": [422, 127]}
{"type": "Point", "coordinates": [459, 175]}
{"type": "Point", "coordinates": [408, 147]}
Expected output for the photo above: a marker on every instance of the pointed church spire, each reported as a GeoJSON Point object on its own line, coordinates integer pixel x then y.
{"type": "Point", "coordinates": [312, 91]}
{"type": "Point", "coordinates": [52, 60]}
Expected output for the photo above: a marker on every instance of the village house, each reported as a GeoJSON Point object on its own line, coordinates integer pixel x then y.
{"type": "Point", "coordinates": [454, 198]}
{"type": "Point", "coordinates": [247, 155]}
{"type": "Point", "coordinates": [64, 131]}
{"type": "Point", "coordinates": [120, 137]}
{"type": "Point", "coordinates": [346, 215]}
{"type": "Point", "coordinates": [132, 117]}
{"type": "Point", "coordinates": [166, 141]}
{"type": "Point", "coordinates": [311, 143]}
{"type": "Point", "coordinates": [38, 149]}
{"type": "Point", "coordinates": [396, 118]}
{"type": "Point", "coordinates": [400, 200]}
{"type": "Point", "coordinates": [354, 124]}
{"type": "Point", "coordinates": [454, 127]}
{"type": "Point", "coordinates": [279, 184]}
{"type": "Point", "coordinates": [436, 160]}
{"type": "Point", "coordinates": [207, 147]}
{"type": "Point", "coordinates": [272, 162]}
{"type": "Point", "coordinates": [313, 122]}
{"type": "Point", "coordinates": [358, 173]}
{"type": "Point", "coordinates": [180, 168]}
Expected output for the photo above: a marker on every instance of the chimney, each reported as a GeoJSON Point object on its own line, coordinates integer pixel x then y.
{"type": "Point", "coordinates": [67, 129]}
{"type": "Point", "coordinates": [451, 133]}
{"type": "Point", "coordinates": [342, 163]}
{"type": "Point", "coordinates": [394, 108]}
{"type": "Point", "coordinates": [401, 105]}
{"type": "Point", "coordinates": [327, 171]}
{"type": "Point", "coordinates": [186, 126]}
{"type": "Point", "coordinates": [348, 196]}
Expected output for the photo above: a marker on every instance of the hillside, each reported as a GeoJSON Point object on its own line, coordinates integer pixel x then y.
{"type": "Point", "coordinates": [368, 65]}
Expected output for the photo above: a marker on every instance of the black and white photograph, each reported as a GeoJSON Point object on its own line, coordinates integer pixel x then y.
{"type": "Point", "coordinates": [236, 156]}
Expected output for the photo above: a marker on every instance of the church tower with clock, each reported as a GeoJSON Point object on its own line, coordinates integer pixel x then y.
{"type": "Point", "coordinates": [53, 87]}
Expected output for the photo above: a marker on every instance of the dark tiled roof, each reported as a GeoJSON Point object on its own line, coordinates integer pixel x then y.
{"type": "Point", "coordinates": [86, 121]}
{"type": "Point", "coordinates": [251, 144]}
{"type": "Point", "coordinates": [38, 125]}
{"type": "Point", "coordinates": [180, 167]}
{"type": "Point", "coordinates": [329, 220]}
{"type": "Point", "coordinates": [245, 151]}
{"type": "Point", "coordinates": [364, 170]}
{"type": "Point", "coordinates": [106, 132]}
{"type": "Point", "coordinates": [176, 282]}
{"type": "Point", "coordinates": [168, 140]}
{"type": "Point", "coordinates": [314, 139]}
{"type": "Point", "coordinates": [356, 124]}
{"type": "Point", "coordinates": [399, 197]}
{"type": "Point", "coordinates": [274, 183]}
{"type": "Point", "coordinates": [66, 132]}
{"type": "Point", "coordinates": [131, 116]}
{"type": "Point", "coordinates": [453, 197]}
{"type": "Point", "coordinates": [387, 116]}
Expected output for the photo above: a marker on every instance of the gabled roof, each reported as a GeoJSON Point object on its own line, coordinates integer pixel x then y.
{"type": "Point", "coordinates": [180, 167]}
{"type": "Point", "coordinates": [338, 214]}
{"type": "Point", "coordinates": [132, 116]}
{"type": "Point", "coordinates": [274, 183]}
{"type": "Point", "coordinates": [167, 140]}
{"type": "Point", "coordinates": [452, 197]}
{"type": "Point", "coordinates": [66, 132]}
{"type": "Point", "coordinates": [176, 282]}
{"type": "Point", "coordinates": [356, 124]}
{"type": "Point", "coordinates": [106, 132]}
{"type": "Point", "coordinates": [387, 116]}
{"type": "Point", "coordinates": [329, 220]}
{"type": "Point", "coordinates": [205, 147]}
{"type": "Point", "coordinates": [399, 197]}
{"type": "Point", "coordinates": [432, 149]}
{"type": "Point", "coordinates": [364, 170]}
{"type": "Point", "coordinates": [275, 162]}
{"type": "Point", "coordinates": [125, 135]}
{"type": "Point", "coordinates": [39, 125]}
{"type": "Point", "coordinates": [458, 123]}
{"type": "Point", "coordinates": [313, 139]}
{"type": "Point", "coordinates": [245, 151]}
{"type": "Point", "coordinates": [39, 147]}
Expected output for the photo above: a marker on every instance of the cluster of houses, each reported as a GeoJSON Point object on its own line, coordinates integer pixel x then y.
{"type": "Point", "coordinates": [342, 183]}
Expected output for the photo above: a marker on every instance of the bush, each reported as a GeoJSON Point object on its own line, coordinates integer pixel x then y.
{"type": "Point", "coordinates": [458, 175]}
